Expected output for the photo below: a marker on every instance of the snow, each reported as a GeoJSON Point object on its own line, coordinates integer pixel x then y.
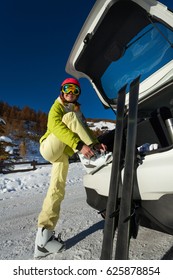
{"type": "Point", "coordinates": [2, 121]}
{"type": "Point", "coordinates": [81, 227]}
{"type": "Point", "coordinates": [102, 125]}
{"type": "Point", "coordinates": [9, 150]}
{"type": "Point", "coordinates": [21, 197]}
{"type": "Point", "coordinates": [5, 139]}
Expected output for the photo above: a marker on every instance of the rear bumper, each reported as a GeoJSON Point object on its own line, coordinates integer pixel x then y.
{"type": "Point", "coordinates": [95, 200]}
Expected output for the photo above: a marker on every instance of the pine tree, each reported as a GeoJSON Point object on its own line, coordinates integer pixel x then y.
{"type": "Point", "coordinates": [3, 154]}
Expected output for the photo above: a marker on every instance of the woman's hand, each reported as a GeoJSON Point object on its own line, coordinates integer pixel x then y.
{"type": "Point", "coordinates": [87, 151]}
{"type": "Point", "coordinates": [100, 147]}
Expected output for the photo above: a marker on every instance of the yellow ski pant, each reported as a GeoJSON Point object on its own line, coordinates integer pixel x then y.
{"type": "Point", "coordinates": [52, 150]}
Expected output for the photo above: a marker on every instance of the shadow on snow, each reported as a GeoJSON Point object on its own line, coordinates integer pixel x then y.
{"type": "Point", "coordinates": [82, 235]}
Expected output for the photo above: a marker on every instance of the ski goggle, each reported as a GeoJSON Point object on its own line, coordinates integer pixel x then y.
{"type": "Point", "coordinates": [67, 88]}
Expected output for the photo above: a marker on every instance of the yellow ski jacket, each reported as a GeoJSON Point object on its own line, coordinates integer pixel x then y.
{"type": "Point", "coordinates": [56, 126]}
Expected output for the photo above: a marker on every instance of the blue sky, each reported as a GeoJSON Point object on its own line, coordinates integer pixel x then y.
{"type": "Point", "coordinates": [36, 39]}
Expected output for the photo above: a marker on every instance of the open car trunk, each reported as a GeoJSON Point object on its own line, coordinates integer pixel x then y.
{"type": "Point", "coordinates": [120, 41]}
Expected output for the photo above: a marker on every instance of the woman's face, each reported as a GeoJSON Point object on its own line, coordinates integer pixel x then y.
{"type": "Point", "coordinates": [70, 97]}
{"type": "Point", "coordinates": [70, 92]}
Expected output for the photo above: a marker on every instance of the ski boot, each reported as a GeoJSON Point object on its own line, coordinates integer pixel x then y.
{"type": "Point", "coordinates": [46, 243]}
{"type": "Point", "coordinates": [96, 162]}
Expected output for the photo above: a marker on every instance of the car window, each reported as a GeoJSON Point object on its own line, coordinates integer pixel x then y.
{"type": "Point", "coordinates": [147, 52]}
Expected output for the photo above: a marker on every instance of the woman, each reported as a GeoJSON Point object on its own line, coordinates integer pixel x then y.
{"type": "Point", "coordinates": [67, 133]}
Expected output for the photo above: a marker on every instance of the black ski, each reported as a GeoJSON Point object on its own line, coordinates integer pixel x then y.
{"type": "Point", "coordinates": [123, 236]}
{"type": "Point", "coordinates": [109, 228]}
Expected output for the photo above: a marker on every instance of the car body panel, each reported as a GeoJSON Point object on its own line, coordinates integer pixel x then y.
{"type": "Point", "coordinates": [154, 175]}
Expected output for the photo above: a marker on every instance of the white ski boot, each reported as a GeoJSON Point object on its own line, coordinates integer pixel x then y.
{"type": "Point", "coordinates": [96, 162]}
{"type": "Point", "coordinates": [46, 243]}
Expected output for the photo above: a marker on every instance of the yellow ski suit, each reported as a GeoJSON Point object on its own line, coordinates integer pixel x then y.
{"type": "Point", "coordinates": [65, 129]}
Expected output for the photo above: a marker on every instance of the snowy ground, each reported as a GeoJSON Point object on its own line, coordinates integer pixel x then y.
{"type": "Point", "coordinates": [21, 196]}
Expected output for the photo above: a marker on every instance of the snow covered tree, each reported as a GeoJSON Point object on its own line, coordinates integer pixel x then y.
{"type": "Point", "coordinates": [8, 152]}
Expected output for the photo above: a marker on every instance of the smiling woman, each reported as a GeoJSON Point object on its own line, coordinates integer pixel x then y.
{"type": "Point", "coordinates": [67, 133]}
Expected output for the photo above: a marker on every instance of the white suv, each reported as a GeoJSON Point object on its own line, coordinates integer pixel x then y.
{"type": "Point", "coordinates": [125, 49]}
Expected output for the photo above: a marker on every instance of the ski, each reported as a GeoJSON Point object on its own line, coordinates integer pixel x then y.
{"type": "Point", "coordinates": [123, 235]}
{"type": "Point", "coordinates": [109, 227]}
